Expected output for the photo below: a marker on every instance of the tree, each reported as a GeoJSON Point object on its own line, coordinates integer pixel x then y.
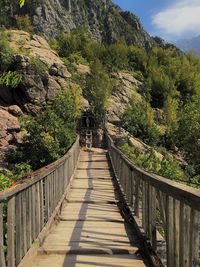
{"type": "Point", "coordinates": [136, 121]}
{"type": "Point", "coordinates": [98, 89]}
{"type": "Point", "coordinates": [21, 3]}
{"type": "Point", "coordinates": [188, 133]}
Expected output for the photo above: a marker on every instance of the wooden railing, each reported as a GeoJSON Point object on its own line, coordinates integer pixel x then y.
{"type": "Point", "coordinates": [26, 209]}
{"type": "Point", "coordinates": [169, 212]}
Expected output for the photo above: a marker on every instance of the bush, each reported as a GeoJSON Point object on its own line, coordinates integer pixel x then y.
{"type": "Point", "coordinates": [49, 135]}
{"type": "Point", "coordinates": [24, 23]}
{"type": "Point", "coordinates": [39, 66]}
{"type": "Point", "coordinates": [188, 131]}
{"type": "Point", "coordinates": [6, 53]}
{"type": "Point", "coordinates": [10, 79]}
{"type": "Point", "coordinates": [97, 90]}
{"type": "Point", "coordinates": [135, 120]}
{"type": "Point", "coordinates": [167, 167]}
{"type": "Point", "coordinates": [5, 181]}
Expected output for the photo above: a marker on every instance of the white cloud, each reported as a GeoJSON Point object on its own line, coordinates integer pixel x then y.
{"type": "Point", "coordinates": [181, 19]}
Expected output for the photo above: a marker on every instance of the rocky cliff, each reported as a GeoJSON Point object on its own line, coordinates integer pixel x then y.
{"type": "Point", "coordinates": [106, 21]}
{"type": "Point", "coordinates": [38, 87]}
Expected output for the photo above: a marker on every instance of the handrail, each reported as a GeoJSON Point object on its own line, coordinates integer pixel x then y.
{"type": "Point", "coordinates": [161, 205]}
{"type": "Point", "coordinates": [25, 209]}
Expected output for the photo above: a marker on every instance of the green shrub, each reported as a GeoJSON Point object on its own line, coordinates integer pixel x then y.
{"type": "Point", "coordinates": [78, 58]}
{"type": "Point", "coordinates": [50, 134]}
{"type": "Point", "coordinates": [166, 167]}
{"type": "Point", "coordinates": [5, 181]}
{"type": "Point", "coordinates": [6, 53]}
{"type": "Point", "coordinates": [10, 79]}
{"type": "Point", "coordinates": [19, 170]}
{"type": "Point", "coordinates": [23, 23]}
{"type": "Point", "coordinates": [97, 90]}
{"type": "Point", "coordinates": [135, 120]}
{"type": "Point", "coordinates": [39, 66]}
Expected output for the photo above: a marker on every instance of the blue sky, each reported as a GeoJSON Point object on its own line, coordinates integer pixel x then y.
{"type": "Point", "coordinates": [169, 19]}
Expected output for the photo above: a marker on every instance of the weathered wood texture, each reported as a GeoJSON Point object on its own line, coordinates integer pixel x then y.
{"type": "Point", "coordinates": [90, 230]}
{"type": "Point", "coordinates": [25, 209]}
{"type": "Point", "coordinates": [164, 206]}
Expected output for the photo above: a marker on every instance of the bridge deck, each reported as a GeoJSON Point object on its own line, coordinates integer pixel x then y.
{"type": "Point", "coordinates": [91, 231]}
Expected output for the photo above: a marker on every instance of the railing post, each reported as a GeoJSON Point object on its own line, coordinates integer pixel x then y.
{"type": "Point", "coordinates": [2, 257]}
{"type": "Point", "coordinates": [11, 232]}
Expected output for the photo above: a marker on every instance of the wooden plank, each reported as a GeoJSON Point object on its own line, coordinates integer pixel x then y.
{"type": "Point", "coordinates": [170, 231]}
{"type": "Point", "coordinates": [194, 239]}
{"type": "Point", "coordinates": [136, 204]}
{"type": "Point", "coordinates": [11, 233]}
{"type": "Point", "coordinates": [19, 236]}
{"type": "Point", "coordinates": [46, 198]}
{"type": "Point", "coordinates": [176, 233]}
{"type": "Point", "coordinates": [29, 222]}
{"type": "Point", "coordinates": [41, 186]}
{"type": "Point", "coordinates": [33, 213]}
{"type": "Point", "coordinates": [2, 255]}
{"type": "Point", "coordinates": [186, 233]}
{"type": "Point", "coordinates": [38, 211]}
{"type": "Point", "coordinates": [24, 224]}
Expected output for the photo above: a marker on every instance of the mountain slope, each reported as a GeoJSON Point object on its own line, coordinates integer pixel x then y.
{"type": "Point", "coordinates": [187, 44]}
{"type": "Point", "coordinates": [107, 22]}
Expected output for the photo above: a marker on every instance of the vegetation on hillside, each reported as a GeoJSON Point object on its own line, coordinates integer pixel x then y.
{"type": "Point", "coordinates": [171, 87]}
{"type": "Point", "coordinates": [48, 135]}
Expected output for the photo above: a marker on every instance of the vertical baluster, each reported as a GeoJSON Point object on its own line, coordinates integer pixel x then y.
{"type": "Point", "coordinates": [194, 260]}
{"type": "Point", "coordinates": [38, 208]}
{"type": "Point", "coordinates": [19, 236]}
{"type": "Point", "coordinates": [11, 232]}
{"type": "Point", "coordinates": [2, 256]}
{"type": "Point", "coordinates": [176, 233]}
{"type": "Point", "coordinates": [46, 199]}
{"type": "Point", "coordinates": [185, 235]}
{"type": "Point", "coordinates": [137, 200]}
{"type": "Point", "coordinates": [170, 231]}
{"type": "Point", "coordinates": [153, 218]}
{"type": "Point", "coordinates": [41, 187]}
{"type": "Point", "coordinates": [24, 239]}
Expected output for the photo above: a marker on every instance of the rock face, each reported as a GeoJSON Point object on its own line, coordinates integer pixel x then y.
{"type": "Point", "coordinates": [39, 84]}
{"type": "Point", "coordinates": [126, 89]}
{"type": "Point", "coordinates": [43, 76]}
{"type": "Point", "coordinates": [106, 21]}
{"type": "Point", "coordinates": [9, 129]}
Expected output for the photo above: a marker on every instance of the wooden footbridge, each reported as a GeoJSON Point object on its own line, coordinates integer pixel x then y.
{"type": "Point", "coordinates": [95, 208]}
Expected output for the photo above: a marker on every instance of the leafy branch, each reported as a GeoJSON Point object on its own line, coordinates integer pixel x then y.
{"type": "Point", "coordinates": [21, 3]}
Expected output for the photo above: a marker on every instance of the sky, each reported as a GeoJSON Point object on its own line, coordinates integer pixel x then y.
{"type": "Point", "coordinates": [170, 19]}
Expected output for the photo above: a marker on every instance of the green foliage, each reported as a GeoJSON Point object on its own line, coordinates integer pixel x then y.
{"type": "Point", "coordinates": [136, 121]}
{"type": "Point", "coordinates": [23, 23]}
{"type": "Point", "coordinates": [17, 171]}
{"type": "Point", "coordinates": [21, 3]}
{"type": "Point", "coordinates": [77, 58]}
{"type": "Point", "coordinates": [20, 170]}
{"type": "Point", "coordinates": [39, 66]}
{"type": "Point", "coordinates": [188, 132]}
{"type": "Point", "coordinates": [97, 90]}
{"type": "Point", "coordinates": [115, 57]}
{"type": "Point", "coordinates": [78, 42]}
{"type": "Point", "coordinates": [166, 167]}
{"type": "Point", "coordinates": [6, 53]}
{"type": "Point", "coordinates": [5, 181]}
{"type": "Point", "coordinates": [10, 79]}
{"type": "Point", "coordinates": [50, 134]}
